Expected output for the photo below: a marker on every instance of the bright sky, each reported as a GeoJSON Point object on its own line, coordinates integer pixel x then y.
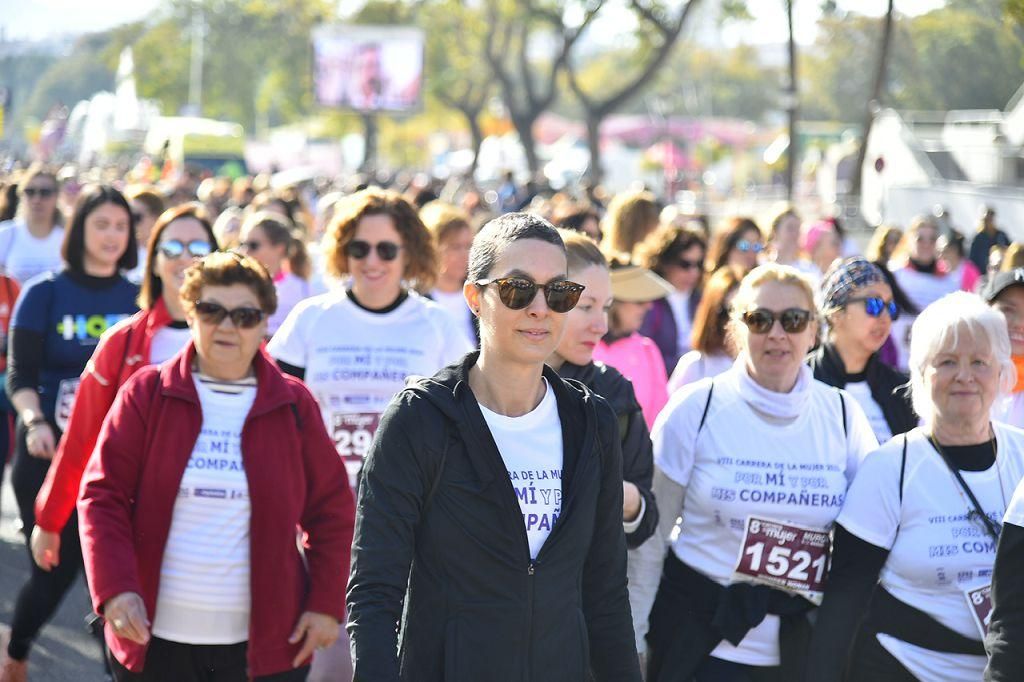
{"type": "Point", "coordinates": [36, 19]}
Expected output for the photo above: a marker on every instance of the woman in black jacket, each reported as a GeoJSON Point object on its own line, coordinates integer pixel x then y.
{"type": "Point", "coordinates": [859, 306]}
{"type": "Point", "coordinates": [587, 323]}
{"type": "Point", "coordinates": [489, 537]}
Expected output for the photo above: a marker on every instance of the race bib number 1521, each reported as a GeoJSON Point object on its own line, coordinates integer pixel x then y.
{"type": "Point", "coordinates": [786, 557]}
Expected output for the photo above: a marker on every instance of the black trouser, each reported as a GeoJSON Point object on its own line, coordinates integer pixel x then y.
{"type": "Point", "coordinates": [173, 662]}
{"type": "Point", "coordinates": [41, 595]}
{"type": "Point", "coordinates": [717, 670]}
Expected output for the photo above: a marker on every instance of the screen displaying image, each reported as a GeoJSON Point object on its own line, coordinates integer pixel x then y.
{"type": "Point", "coordinates": [368, 68]}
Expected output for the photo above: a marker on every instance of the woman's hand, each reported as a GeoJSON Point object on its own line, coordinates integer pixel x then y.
{"type": "Point", "coordinates": [320, 631]}
{"type": "Point", "coordinates": [45, 548]}
{"type": "Point", "coordinates": [126, 613]}
{"type": "Point", "coordinates": [630, 501]}
{"type": "Point", "coordinates": [40, 440]}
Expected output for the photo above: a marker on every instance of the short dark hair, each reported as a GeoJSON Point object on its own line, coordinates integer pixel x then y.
{"type": "Point", "coordinates": [72, 250]}
{"type": "Point", "coordinates": [494, 237]}
{"type": "Point", "coordinates": [224, 268]}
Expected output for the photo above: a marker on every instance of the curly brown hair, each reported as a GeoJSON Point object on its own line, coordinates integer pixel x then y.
{"type": "Point", "coordinates": [224, 268]}
{"type": "Point", "coordinates": [421, 257]}
{"type": "Point", "coordinates": [665, 245]}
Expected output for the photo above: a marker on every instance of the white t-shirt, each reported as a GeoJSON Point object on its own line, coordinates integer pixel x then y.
{"type": "Point", "coordinates": [936, 552]}
{"type": "Point", "coordinates": [531, 447]}
{"type": "Point", "coordinates": [694, 366]}
{"type": "Point", "coordinates": [290, 290]}
{"type": "Point", "coordinates": [455, 305]}
{"type": "Point", "coordinates": [204, 595]}
{"type": "Point", "coordinates": [166, 343]}
{"type": "Point", "coordinates": [679, 303]}
{"type": "Point", "coordinates": [357, 360]}
{"type": "Point", "coordinates": [1009, 409]}
{"type": "Point", "coordinates": [23, 256]}
{"type": "Point", "coordinates": [861, 392]}
{"type": "Point", "coordinates": [922, 289]}
{"type": "Point", "coordinates": [740, 465]}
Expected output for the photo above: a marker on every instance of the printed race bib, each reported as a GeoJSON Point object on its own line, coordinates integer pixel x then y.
{"type": "Point", "coordinates": [786, 557]}
{"type": "Point", "coordinates": [979, 601]}
{"type": "Point", "coordinates": [353, 433]}
{"type": "Point", "coordinates": [66, 392]}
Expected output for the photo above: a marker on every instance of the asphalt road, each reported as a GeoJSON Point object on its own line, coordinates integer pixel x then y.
{"type": "Point", "coordinates": [64, 652]}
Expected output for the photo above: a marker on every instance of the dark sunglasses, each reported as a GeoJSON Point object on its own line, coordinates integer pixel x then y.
{"type": "Point", "coordinates": [214, 313]}
{"type": "Point", "coordinates": [746, 246]}
{"type": "Point", "coordinates": [174, 248]}
{"type": "Point", "coordinates": [685, 264]}
{"type": "Point", "coordinates": [137, 216]}
{"type": "Point", "coordinates": [359, 249]}
{"type": "Point", "coordinates": [41, 192]}
{"type": "Point", "coordinates": [250, 245]}
{"type": "Point", "coordinates": [875, 306]}
{"type": "Point", "coordinates": [518, 292]}
{"type": "Point", "coordinates": [761, 321]}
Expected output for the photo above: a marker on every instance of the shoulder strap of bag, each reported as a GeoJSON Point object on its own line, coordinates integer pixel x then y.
{"type": "Point", "coordinates": [707, 406]}
{"type": "Point", "coordinates": [991, 526]}
{"type": "Point", "coordinates": [903, 467]}
{"type": "Point", "coordinates": [842, 408]}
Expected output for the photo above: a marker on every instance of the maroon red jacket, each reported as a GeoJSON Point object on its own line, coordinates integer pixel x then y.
{"type": "Point", "coordinates": [295, 479]}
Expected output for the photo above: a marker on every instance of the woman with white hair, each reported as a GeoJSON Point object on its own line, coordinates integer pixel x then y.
{"type": "Point", "coordinates": [921, 519]}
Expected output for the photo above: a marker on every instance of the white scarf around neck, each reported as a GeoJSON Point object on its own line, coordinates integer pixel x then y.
{"type": "Point", "coordinates": [778, 405]}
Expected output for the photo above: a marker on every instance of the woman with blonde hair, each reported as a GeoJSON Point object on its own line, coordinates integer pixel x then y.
{"type": "Point", "coordinates": [452, 235]}
{"type": "Point", "coordinates": [282, 251]}
{"type": "Point", "coordinates": [731, 596]}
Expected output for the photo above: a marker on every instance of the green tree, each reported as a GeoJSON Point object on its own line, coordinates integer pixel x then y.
{"type": "Point", "coordinates": [658, 29]}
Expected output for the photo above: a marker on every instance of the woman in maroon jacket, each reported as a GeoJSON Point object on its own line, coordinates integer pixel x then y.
{"type": "Point", "coordinates": [203, 470]}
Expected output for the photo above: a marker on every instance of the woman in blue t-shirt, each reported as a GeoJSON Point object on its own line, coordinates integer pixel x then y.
{"type": "Point", "coordinates": [57, 323]}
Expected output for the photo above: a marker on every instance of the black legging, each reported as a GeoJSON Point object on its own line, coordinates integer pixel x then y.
{"type": "Point", "coordinates": [42, 593]}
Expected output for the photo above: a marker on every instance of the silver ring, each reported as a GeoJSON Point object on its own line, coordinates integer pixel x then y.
{"type": "Point", "coordinates": [117, 623]}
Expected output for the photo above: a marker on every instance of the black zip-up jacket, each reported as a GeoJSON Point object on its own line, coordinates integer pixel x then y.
{"type": "Point", "coordinates": [886, 384]}
{"type": "Point", "coordinates": [637, 450]}
{"type": "Point", "coordinates": [442, 585]}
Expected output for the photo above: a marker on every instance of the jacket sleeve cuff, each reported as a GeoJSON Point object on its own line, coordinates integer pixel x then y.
{"type": "Point", "coordinates": [632, 526]}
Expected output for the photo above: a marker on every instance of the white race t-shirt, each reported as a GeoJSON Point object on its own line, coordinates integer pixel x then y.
{"type": "Point", "coordinates": [531, 447]}
{"type": "Point", "coordinates": [694, 366]}
{"type": "Point", "coordinates": [1009, 409]}
{"type": "Point", "coordinates": [290, 290]}
{"type": "Point", "coordinates": [922, 289]}
{"type": "Point", "coordinates": [204, 595]}
{"type": "Point", "coordinates": [357, 360]}
{"type": "Point", "coordinates": [872, 410]}
{"type": "Point", "coordinates": [936, 552]}
{"type": "Point", "coordinates": [679, 304]}
{"type": "Point", "coordinates": [166, 343]}
{"type": "Point", "coordinates": [456, 306]}
{"type": "Point", "coordinates": [740, 465]}
{"type": "Point", "coordinates": [23, 256]}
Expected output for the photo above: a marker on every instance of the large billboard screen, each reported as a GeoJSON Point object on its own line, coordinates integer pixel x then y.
{"type": "Point", "coordinates": [368, 68]}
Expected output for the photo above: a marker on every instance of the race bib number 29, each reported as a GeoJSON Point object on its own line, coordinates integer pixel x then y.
{"type": "Point", "coordinates": [784, 556]}
{"type": "Point", "coordinates": [353, 433]}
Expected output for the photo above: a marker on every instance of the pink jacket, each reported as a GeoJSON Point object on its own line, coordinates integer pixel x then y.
{"type": "Point", "coordinates": [640, 361]}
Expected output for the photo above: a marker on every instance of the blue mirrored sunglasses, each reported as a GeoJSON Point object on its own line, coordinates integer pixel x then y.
{"type": "Point", "coordinates": [874, 306]}
{"type": "Point", "coordinates": [745, 246]}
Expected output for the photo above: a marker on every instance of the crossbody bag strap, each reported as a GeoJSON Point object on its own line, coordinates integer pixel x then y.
{"type": "Point", "coordinates": [707, 406]}
{"type": "Point", "coordinates": [993, 528]}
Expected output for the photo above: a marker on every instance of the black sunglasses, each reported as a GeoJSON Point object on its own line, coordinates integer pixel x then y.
{"type": "Point", "coordinates": [760, 321]}
{"type": "Point", "coordinates": [685, 264]}
{"type": "Point", "coordinates": [876, 305]}
{"type": "Point", "coordinates": [41, 192]}
{"type": "Point", "coordinates": [359, 249]}
{"type": "Point", "coordinates": [214, 313]}
{"type": "Point", "coordinates": [137, 216]}
{"type": "Point", "coordinates": [518, 292]}
{"type": "Point", "coordinates": [197, 248]}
